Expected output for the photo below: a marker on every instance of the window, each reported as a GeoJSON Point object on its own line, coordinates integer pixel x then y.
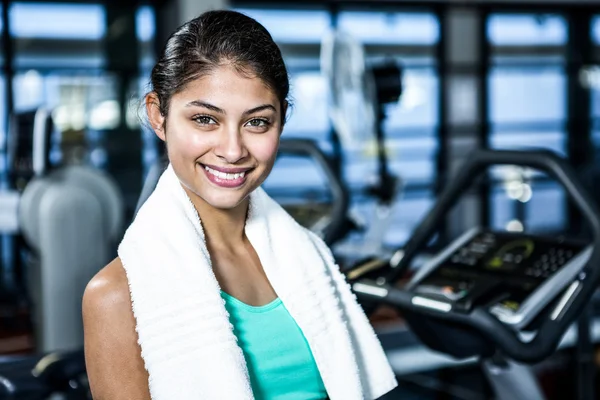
{"type": "Point", "coordinates": [527, 109]}
{"type": "Point", "coordinates": [146, 33]}
{"type": "Point", "coordinates": [59, 64]}
{"type": "Point", "coordinates": [292, 26]}
{"type": "Point", "coordinates": [391, 27]}
{"type": "Point", "coordinates": [526, 30]}
{"type": "Point", "coordinates": [298, 33]}
{"type": "Point", "coordinates": [410, 126]}
{"type": "Point", "coordinates": [592, 80]}
{"type": "Point", "coordinates": [49, 35]}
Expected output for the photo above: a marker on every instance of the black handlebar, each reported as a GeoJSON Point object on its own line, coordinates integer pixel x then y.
{"type": "Point", "coordinates": [551, 330]}
{"type": "Point", "coordinates": [341, 198]}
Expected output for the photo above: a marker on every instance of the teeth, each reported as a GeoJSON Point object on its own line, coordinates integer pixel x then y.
{"type": "Point", "coordinates": [223, 175]}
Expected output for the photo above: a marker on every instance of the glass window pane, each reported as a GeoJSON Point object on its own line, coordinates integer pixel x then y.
{"type": "Point", "coordinates": [2, 118]}
{"type": "Point", "coordinates": [595, 106]}
{"type": "Point", "coordinates": [520, 94]}
{"type": "Point", "coordinates": [390, 27]}
{"type": "Point", "coordinates": [596, 30]}
{"type": "Point", "coordinates": [56, 20]}
{"type": "Point", "coordinates": [418, 106]}
{"type": "Point", "coordinates": [546, 210]}
{"type": "Point", "coordinates": [520, 140]}
{"type": "Point", "coordinates": [296, 174]}
{"type": "Point", "coordinates": [543, 212]}
{"type": "Point", "coordinates": [146, 31]}
{"type": "Point", "coordinates": [145, 25]}
{"type": "Point", "coordinates": [399, 225]}
{"type": "Point", "coordinates": [292, 26]}
{"type": "Point", "coordinates": [57, 35]}
{"type": "Point", "coordinates": [525, 30]}
{"type": "Point", "coordinates": [308, 116]}
{"type": "Point", "coordinates": [29, 90]}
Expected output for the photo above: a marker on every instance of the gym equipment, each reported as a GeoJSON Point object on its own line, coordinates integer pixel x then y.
{"type": "Point", "coordinates": [359, 96]}
{"type": "Point", "coordinates": [69, 219]}
{"type": "Point", "coordinates": [331, 225]}
{"type": "Point", "coordinates": [28, 378]}
{"type": "Point", "coordinates": [506, 298]}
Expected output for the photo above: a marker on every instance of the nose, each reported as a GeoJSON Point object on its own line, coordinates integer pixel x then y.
{"type": "Point", "coordinates": [230, 147]}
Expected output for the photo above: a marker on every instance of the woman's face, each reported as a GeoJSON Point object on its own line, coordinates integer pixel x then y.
{"type": "Point", "coordinates": [222, 134]}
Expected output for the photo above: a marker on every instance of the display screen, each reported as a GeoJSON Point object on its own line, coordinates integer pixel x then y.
{"type": "Point", "coordinates": [503, 268]}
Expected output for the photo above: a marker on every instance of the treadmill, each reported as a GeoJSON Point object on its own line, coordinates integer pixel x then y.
{"type": "Point", "coordinates": [505, 298]}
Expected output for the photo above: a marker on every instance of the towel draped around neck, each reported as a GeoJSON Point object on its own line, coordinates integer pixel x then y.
{"type": "Point", "coordinates": [187, 341]}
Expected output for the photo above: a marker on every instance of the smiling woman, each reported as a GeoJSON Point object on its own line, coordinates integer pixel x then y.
{"type": "Point", "coordinates": [221, 124]}
{"type": "Point", "coordinates": [217, 292]}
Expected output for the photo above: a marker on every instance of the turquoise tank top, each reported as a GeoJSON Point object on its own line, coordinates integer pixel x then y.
{"type": "Point", "coordinates": [280, 362]}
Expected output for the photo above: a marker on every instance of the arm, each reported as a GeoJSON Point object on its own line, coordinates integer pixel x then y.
{"type": "Point", "coordinates": [113, 357]}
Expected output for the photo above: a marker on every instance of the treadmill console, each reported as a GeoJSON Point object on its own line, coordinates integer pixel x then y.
{"type": "Point", "coordinates": [514, 274]}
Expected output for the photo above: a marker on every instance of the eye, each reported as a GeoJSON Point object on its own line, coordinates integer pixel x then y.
{"type": "Point", "coordinates": [258, 123]}
{"type": "Point", "coordinates": [204, 120]}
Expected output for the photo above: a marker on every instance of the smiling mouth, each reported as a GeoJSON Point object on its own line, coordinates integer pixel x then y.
{"type": "Point", "coordinates": [226, 179]}
{"type": "Point", "coordinates": [224, 175]}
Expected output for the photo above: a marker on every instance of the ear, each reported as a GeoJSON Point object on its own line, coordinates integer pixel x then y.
{"type": "Point", "coordinates": [157, 120]}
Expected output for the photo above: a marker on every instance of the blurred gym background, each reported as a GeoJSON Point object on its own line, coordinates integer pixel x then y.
{"type": "Point", "coordinates": [497, 74]}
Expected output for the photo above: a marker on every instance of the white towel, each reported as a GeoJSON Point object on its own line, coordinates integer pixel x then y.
{"type": "Point", "coordinates": [187, 341]}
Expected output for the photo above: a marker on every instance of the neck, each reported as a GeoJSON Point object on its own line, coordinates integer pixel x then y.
{"type": "Point", "coordinates": [223, 228]}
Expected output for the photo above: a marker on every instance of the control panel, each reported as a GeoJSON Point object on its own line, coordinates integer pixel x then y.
{"type": "Point", "coordinates": [505, 271]}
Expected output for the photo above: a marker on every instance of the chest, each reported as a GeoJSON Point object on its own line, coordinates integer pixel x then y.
{"type": "Point", "coordinates": [243, 277]}
{"type": "Point", "coordinates": [279, 360]}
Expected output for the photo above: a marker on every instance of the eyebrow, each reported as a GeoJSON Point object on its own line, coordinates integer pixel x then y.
{"type": "Point", "coordinates": [199, 103]}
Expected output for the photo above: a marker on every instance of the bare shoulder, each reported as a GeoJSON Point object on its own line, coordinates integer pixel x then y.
{"type": "Point", "coordinates": [109, 288]}
{"type": "Point", "coordinates": [110, 281]}
{"type": "Point", "coordinates": [113, 356]}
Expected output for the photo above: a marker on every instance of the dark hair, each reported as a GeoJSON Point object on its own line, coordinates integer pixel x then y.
{"type": "Point", "coordinates": [213, 39]}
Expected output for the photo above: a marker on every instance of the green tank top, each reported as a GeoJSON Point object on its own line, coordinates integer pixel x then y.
{"type": "Point", "coordinates": [280, 362]}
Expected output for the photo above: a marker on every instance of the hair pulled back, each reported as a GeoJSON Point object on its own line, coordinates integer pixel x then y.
{"type": "Point", "coordinates": [213, 39]}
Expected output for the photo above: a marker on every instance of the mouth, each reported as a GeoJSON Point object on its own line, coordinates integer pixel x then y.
{"type": "Point", "coordinates": [227, 178]}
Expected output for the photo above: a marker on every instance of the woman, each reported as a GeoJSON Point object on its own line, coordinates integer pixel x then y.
{"type": "Point", "coordinates": [217, 293]}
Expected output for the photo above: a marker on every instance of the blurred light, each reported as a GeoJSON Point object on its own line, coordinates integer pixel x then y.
{"type": "Point", "coordinates": [60, 116]}
{"type": "Point", "coordinates": [69, 117]}
{"type": "Point", "coordinates": [105, 115]}
{"type": "Point", "coordinates": [589, 77]}
{"type": "Point", "coordinates": [133, 114]}
{"type": "Point", "coordinates": [519, 191]}
{"type": "Point", "coordinates": [144, 23]}
{"type": "Point", "coordinates": [526, 193]}
{"type": "Point", "coordinates": [32, 83]}
{"type": "Point", "coordinates": [98, 157]}
{"type": "Point", "coordinates": [514, 190]}
{"type": "Point", "coordinates": [514, 226]}
{"type": "Point", "coordinates": [413, 95]}
{"type": "Point", "coordinates": [77, 117]}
